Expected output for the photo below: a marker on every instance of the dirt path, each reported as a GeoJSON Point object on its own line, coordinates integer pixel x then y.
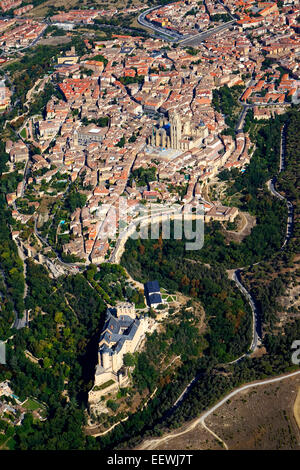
{"type": "Point", "coordinates": [151, 444]}
{"type": "Point", "coordinates": [247, 224]}
{"type": "Point", "coordinates": [215, 435]}
{"type": "Point", "coordinates": [297, 409]}
{"type": "Point", "coordinates": [137, 284]}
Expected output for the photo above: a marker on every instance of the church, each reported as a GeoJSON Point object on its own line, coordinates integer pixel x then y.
{"type": "Point", "coordinates": [177, 134]}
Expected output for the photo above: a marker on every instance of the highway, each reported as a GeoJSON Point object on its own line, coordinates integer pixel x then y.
{"type": "Point", "coordinates": [161, 31]}
{"type": "Point", "coordinates": [176, 37]}
{"type": "Point", "coordinates": [198, 38]}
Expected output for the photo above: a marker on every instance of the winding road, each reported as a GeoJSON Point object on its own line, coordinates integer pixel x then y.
{"type": "Point", "coordinates": [235, 276]}
{"type": "Point", "coordinates": [153, 443]}
{"type": "Point", "coordinates": [256, 324]}
{"type": "Point", "coordinates": [68, 266]}
{"type": "Point", "coordinates": [173, 36]}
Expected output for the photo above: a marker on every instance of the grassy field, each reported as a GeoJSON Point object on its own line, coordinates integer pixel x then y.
{"type": "Point", "coordinates": [31, 404]}
{"type": "Point", "coordinates": [23, 133]}
{"type": "Point", "coordinates": [42, 10]}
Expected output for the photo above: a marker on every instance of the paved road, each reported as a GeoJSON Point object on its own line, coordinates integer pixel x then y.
{"type": "Point", "coordinates": [198, 38]}
{"type": "Point", "coordinates": [21, 322]}
{"type": "Point", "coordinates": [189, 40]}
{"type": "Point", "coordinates": [161, 31]}
{"type": "Point", "coordinates": [256, 321]}
{"type": "Point", "coordinates": [226, 8]}
{"type": "Point", "coordinates": [68, 266]}
{"type": "Point", "coordinates": [257, 332]}
{"type": "Point", "coordinates": [156, 214]}
{"type": "Point", "coordinates": [241, 121]}
{"type": "Point", "coordinates": [246, 387]}
{"type": "Point", "coordinates": [247, 106]}
{"type": "Point", "coordinates": [271, 186]}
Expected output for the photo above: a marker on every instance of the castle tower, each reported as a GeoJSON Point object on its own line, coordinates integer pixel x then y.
{"type": "Point", "coordinates": [105, 360]}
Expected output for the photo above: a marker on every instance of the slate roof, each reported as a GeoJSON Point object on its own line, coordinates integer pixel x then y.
{"type": "Point", "coordinates": [151, 287]}
{"type": "Point", "coordinates": [112, 332]}
{"type": "Point", "coordinates": [152, 292]}
{"type": "Point", "coordinates": [155, 299]}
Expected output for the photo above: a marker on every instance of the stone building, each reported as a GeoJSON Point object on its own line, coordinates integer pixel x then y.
{"type": "Point", "coordinates": [122, 333]}
{"type": "Point", "coordinates": [221, 213]}
{"type": "Point", "coordinates": [18, 152]}
{"type": "Point", "coordinates": [177, 134]}
{"type": "Point", "coordinates": [89, 134]}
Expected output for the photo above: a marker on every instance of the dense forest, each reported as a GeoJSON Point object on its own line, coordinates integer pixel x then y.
{"type": "Point", "coordinates": [226, 310]}
{"type": "Point", "coordinates": [167, 261]}
{"type": "Point", "coordinates": [225, 102]}
{"type": "Point", "coordinates": [11, 267]}
{"type": "Point", "coordinates": [282, 269]}
{"type": "Point", "coordinates": [66, 316]}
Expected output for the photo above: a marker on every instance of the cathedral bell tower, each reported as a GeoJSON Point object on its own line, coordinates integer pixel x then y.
{"type": "Point", "coordinates": [175, 131]}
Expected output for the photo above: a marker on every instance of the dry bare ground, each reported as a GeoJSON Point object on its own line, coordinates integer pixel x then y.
{"type": "Point", "coordinates": [247, 222]}
{"type": "Point", "coordinates": [297, 409]}
{"type": "Point", "coordinates": [261, 417]}
{"type": "Point", "coordinates": [41, 10]}
{"type": "Point", "coordinates": [55, 40]}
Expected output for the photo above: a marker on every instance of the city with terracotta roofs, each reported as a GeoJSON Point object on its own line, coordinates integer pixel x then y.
{"type": "Point", "coordinates": [125, 127]}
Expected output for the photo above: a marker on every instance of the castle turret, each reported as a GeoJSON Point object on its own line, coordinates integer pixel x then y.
{"type": "Point", "coordinates": [105, 359]}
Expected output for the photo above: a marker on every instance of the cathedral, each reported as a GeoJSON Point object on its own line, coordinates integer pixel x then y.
{"type": "Point", "coordinates": [177, 134]}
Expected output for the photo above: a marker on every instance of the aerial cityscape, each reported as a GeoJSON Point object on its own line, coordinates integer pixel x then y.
{"type": "Point", "coordinates": [149, 225]}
